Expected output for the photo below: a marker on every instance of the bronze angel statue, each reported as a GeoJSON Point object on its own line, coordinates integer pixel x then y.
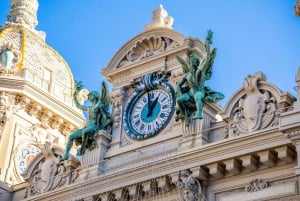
{"type": "Point", "coordinates": [191, 94]}
{"type": "Point", "coordinates": [99, 118]}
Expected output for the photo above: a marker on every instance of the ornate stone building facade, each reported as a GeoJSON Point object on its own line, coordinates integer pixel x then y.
{"type": "Point", "coordinates": [248, 150]}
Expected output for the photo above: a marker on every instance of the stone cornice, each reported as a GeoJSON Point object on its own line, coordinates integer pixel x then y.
{"type": "Point", "coordinates": [208, 156]}
{"type": "Point", "coordinates": [43, 98]}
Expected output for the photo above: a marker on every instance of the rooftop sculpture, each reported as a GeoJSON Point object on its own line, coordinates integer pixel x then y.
{"type": "Point", "coordinates": [99, 118]}
{"type": "Point", "coordinates": [190, 89]}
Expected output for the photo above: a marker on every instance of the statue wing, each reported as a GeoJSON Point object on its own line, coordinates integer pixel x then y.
{"type": "Point", "coordinates": [184, 64]}
{"type": "Point", "coordinates": [105, 98]}
{"type": "Point", "coordinates": [208, 64]}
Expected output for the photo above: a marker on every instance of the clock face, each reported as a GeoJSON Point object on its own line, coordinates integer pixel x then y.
{"type": "Point", "coordinates": [149, 112]}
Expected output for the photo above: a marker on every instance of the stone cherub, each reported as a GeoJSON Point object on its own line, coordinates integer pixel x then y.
{"type": "Point", "coordinates": [99, 118]}
{"type": "Point", "coordinates": [190, 90]}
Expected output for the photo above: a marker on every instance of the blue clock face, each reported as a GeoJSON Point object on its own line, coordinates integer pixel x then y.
{"type": "Point", "coordinates": [149, 112]}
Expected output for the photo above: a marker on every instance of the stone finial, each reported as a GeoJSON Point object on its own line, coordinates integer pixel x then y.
{"type": "Point", "coordinates": [24, 13]}
{"type": "Point", "coordinates": [160, 18]}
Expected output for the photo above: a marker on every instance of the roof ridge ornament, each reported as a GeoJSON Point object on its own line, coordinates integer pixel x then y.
{"type": "Point", "coordinates": [160, 18]}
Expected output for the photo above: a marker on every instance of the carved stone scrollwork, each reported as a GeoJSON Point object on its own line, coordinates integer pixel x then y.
{"type": "Point", "coordinates": [111, 197]}
{"type": "Point", "coordinates": [125, 195]}
{"type": "Point", "coordinates": [140, 192]}
{"type": "Point", "coordinates": [154, 189]}
{"type": "Point", "coordinates": [257, 109]}
{"type": "Point", "coordinates": [256, 185]}
{"type": "Point", "coordinates": [45, 117]}
{"type": "Point", "coordinates": [96, 198]}
{"type": "Point", "coordinates": [49, 173]}
{"type": "Point", "coordinates": [189, 187]}
{"type": "Point", "coordinates": [34, 110]}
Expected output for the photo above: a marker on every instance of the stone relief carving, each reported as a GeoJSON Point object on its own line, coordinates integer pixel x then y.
{"type": "Point", "coordinates": [256, 185]}
{"type": "Point", "coordinates": [49, 174]}
{"type": "Point", "coordinates": [257, 109]}
{"type": "Point", "coordinates": [189, 187]}
{"type": "Point", "coordinates": [146, 48]}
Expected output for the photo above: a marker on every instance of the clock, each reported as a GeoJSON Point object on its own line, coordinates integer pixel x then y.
{"type": "Point", "coordinates": [150, 108]}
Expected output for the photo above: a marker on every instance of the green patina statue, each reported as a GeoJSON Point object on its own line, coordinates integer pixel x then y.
{"type": "Point", "coordinates": [99, 118]}
{"type": "Point", "coordinates": [190, 90]}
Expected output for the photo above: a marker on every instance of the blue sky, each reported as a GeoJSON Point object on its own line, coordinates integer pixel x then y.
{"type": "Point", "coordinates": [250, 35]}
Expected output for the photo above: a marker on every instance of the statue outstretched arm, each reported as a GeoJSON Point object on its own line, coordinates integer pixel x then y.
{"type": "Point", "coordinates": [78, 87]}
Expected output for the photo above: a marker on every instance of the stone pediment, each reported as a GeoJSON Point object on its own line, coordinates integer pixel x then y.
{"type": "Point", "coordinates": [145, 45]}
{"type": "Point", "coordinates": [255, 106]}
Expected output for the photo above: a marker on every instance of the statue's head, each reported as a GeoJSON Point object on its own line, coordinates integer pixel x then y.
{"type": "Point", "coordinates": [93, 95]}
{"type": "Point", "coordinates": [194, 60]}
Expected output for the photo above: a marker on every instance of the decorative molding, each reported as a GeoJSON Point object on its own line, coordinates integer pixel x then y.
{"type": "Point", "coordinates": [12, 103]}
{"type": "Point", "coordinates": [256, 185]}
{"type": "Point", "coordinates": [292, 134]}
